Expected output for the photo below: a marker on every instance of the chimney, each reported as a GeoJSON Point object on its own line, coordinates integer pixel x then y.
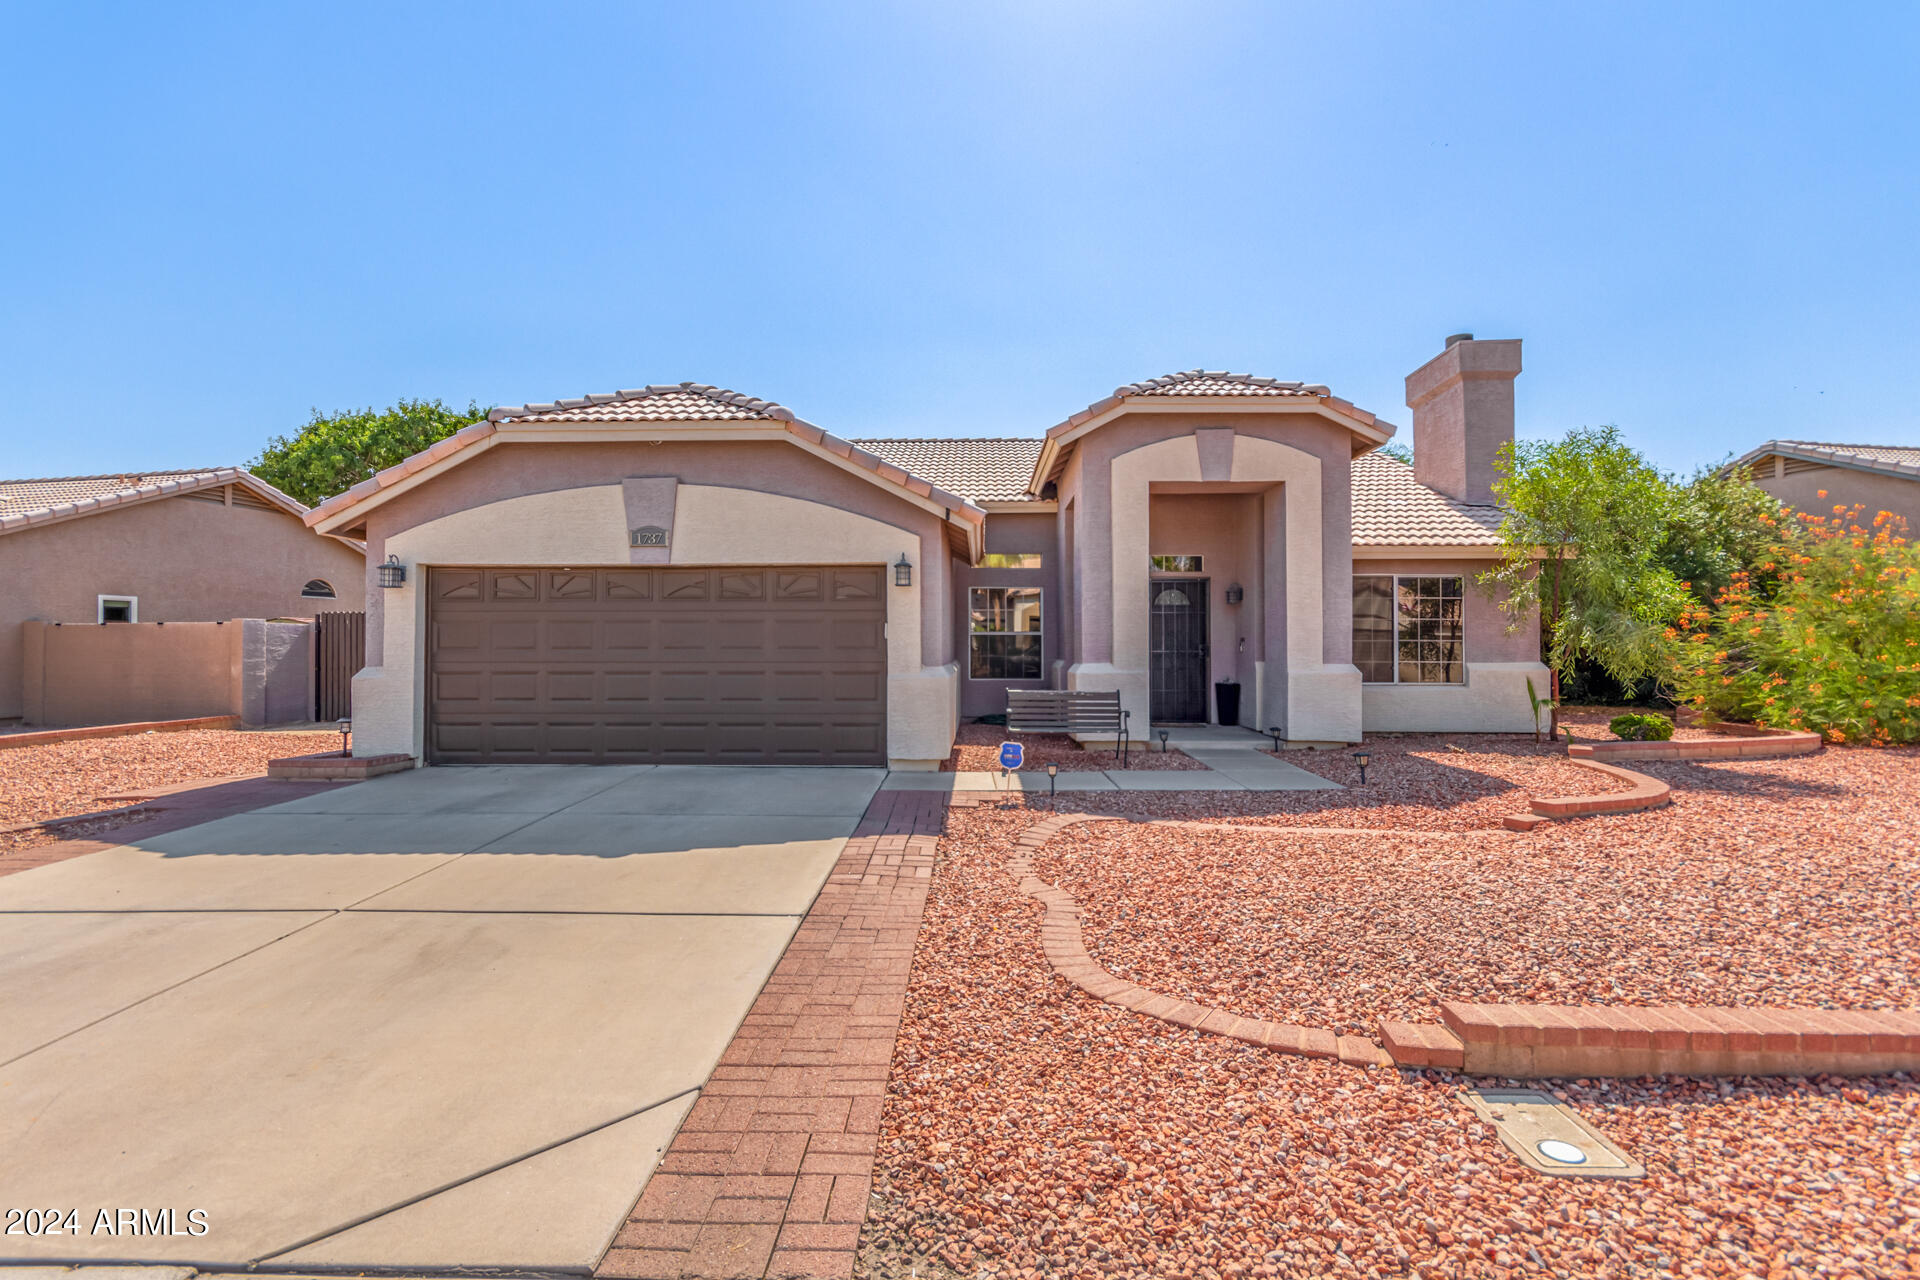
{"type": "Point", "coordinates": [1462, 402]}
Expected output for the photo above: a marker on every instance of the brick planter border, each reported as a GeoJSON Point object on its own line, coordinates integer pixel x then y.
{"type": "Point", "coordinates": [1534, 1040]}
{"type": "Point", "coordinates": [1744, 743]}
{"type": "Point", "coordinates": [1644, 793]}
{"type": "Point", "coordinates": [8, 741]}
{"type": "Point", "coordinates": [337, 766]}
{"type": "Point", "coordinates": [1066, 950]}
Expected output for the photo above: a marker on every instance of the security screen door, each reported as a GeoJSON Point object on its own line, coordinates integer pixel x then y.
{"type": "Point", "coordinates": [1177, 650]}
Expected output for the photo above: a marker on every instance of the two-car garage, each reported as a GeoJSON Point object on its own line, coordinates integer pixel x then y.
{"type": "Point", "coordinates": [777, 664]}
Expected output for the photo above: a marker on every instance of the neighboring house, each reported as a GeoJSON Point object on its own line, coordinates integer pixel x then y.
{"type": "Point", "coordinates": [163, 546]}
{"type": "Point", "coordinates": [681, 573]}
{"type": "Point", "coordinates": [1877, 477]}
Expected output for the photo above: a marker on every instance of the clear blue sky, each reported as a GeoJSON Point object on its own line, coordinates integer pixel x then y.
{"type": "Point", "coordinates": [967, 219]}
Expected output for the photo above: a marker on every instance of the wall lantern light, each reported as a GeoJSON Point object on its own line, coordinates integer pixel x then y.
{"type": "Point", "coordinates": [902, 572]}
{"type": "Point", "coordinates": [1363, 757]}
{"type": "Point", "coordinates": [393, 573]}
{"type": "Point", "coordinates": [1236, 593]}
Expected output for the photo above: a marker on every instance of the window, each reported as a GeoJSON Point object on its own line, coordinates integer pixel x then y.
{"type": "Point", "coordinates": [1175, 564]}
{"type": "Point", "coordinates": [1408, 630]}
{"type": "Point", "coordinates": [118, 608]}
{"type": "Point", "coordinates": [1010, 560]}
{"type": "Point", "coordinates": [318, 589]}
{"type": "Point", "coordinates": [1004, 627]}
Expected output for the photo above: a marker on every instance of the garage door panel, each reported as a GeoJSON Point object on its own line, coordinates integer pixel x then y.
{"type": "Point", "coordinates": [683, 665]}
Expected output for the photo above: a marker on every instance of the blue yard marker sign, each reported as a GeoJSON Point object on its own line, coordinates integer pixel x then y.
{"type": "Point", "coordinates": [1011, 754]}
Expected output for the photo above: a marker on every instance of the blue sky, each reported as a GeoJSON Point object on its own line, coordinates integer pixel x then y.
{"type": "Point", "coordinates": [910, 218]}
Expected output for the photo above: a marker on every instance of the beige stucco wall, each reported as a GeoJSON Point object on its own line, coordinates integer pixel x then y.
{"type": "Point", "coordinates": [1499, 662]}
{"type": "Point", "coordinates": [1007, 533]}
{"type": "Point", "coordinates": [126, 673]}
{"type": "Point", "coordinates": [1304, 680]}
{"type": "Point", "coordinates": [187, 559]}
{"type": "Point", "coordinates": [507, 508]}
{"type": "Point", "coordinates": [1847, 487]}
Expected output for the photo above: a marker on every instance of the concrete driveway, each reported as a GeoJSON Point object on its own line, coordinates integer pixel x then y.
{"type": "Point", "coordinates": [448, 1018]}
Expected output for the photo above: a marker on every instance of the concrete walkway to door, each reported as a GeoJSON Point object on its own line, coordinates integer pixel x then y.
{"type": "Point", "coordinates": [444, 1019]}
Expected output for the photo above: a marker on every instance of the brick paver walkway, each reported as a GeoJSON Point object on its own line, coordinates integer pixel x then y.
{"type": "Point", "coordinates": [771, 1172]}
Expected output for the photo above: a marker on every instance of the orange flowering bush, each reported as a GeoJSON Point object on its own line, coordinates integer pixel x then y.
{"type": "Point", "coordinates": [1835, 645]}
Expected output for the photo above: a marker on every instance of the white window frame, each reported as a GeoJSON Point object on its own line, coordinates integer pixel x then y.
{"type": "Point", "coordinates": [100, 607]}
{"type": "Point", "coordinates": [1395, 579]}
{"type": "Point", "coordinates": [1042, 634]}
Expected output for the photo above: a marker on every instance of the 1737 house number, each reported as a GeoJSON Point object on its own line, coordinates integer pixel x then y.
{"type": "Point", "coordinates": [650, 536]}
{"type": "Point", "coordinates": [105, 1222]}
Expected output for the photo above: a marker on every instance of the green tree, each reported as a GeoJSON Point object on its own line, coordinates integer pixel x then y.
{"type": "Point", "coordinates": [1720, 526]}
{"type": "Point", "coordinates": [1397, 451]}
{"type": "Point", "coordinates": [334, 452]}
{"type": "Point", "coordinates": [1586, 520]}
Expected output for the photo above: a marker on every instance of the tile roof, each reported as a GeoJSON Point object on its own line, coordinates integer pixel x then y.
{"type": "Point", "coordinates": [1199, 382]}
{"type": "Point", "coordinates": [1893, 458]}
{"type": "Point", "coordinates": [665, 403]}
{"type": "Point", "coordinates": [1217, 382]}
{"type": "Point", "coordinates": [982, 469]}
{"type": "Point", "coordinates": [1392, 509]}
{"type": "Point", "coordinates": [676, 402]}
{"type": "Point", "coordinates": [33, 502]}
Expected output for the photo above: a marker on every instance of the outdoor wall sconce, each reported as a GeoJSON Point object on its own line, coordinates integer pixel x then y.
{"type": "Point", "coordinates": [902, 572]}
{"type": "Point", "coordinates": [1363, 757]}
{"type": "Point", "coordinates": [1236, 593]}
{"type": "Point", "coordinates": [393, 573]}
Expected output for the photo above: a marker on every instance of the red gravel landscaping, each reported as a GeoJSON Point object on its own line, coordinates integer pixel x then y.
{"type": "Point", "coordinates": [977, 749]}
{"type": "Point", "coordinates": [1032, 1130]}
{"type": "Point", "coordinates": [60, 779]}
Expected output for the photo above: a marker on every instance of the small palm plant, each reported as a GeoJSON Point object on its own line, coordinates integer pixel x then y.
{"type": "Point", "coordinates": [1539, 704]}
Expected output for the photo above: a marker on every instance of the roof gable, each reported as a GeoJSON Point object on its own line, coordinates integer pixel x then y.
{"type": "Point", "coordinates": [31, 503]}
{"type": "Point", "coordinates": [1215, 390]}
{"type": "Point", "coordinates": [698, 411]}
{"type": "Point", "coordinates": [1889, 459]}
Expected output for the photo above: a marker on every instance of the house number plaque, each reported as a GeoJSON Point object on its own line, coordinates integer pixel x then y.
{"type": "Point", "coordinates": [650, 536]}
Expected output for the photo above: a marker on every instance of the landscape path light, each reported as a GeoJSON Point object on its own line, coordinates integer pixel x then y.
{"type": "Point", "coordinates": [346, 728]}
{"type": "Point", "coordinates": [1053, 770]}
{"type": "Point", "coordinates": [1363, 756]}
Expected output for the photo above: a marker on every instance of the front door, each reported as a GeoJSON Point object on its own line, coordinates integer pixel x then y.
{"type": "Point", "coordinates": [1177, 650]}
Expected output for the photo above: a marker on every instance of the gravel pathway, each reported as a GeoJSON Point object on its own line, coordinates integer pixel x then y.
{"type": "Point", "coordinates": [59, 779]}
{"type": "Point", "coordinates": [977, 749]}
{"type": "Point", "coordinates": [1031, 1130]}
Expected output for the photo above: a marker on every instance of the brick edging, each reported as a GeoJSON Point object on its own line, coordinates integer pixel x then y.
{"type": "Point", "coordinates": [1643, 793]}
{"type": "Point", "coordinates": [1534, 1040]}
{"type": "Point", "coordinates": [8, 741]}
{"type": "Point", "coordinates": [1741, 744]}
{"type": "Point", "coordinates": [1066, 951]}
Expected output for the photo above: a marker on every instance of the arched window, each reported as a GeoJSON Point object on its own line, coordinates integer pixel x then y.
{"type": "Point", "coordinates": [318, 589]}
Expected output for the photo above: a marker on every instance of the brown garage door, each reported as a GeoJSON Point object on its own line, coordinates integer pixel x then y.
{"type": "Point", "coordinates": [776, 665]}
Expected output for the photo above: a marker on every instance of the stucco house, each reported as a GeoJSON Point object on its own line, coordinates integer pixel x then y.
{"type": "Point", "coordinates": [685, 574]}
{"type": "Point", "coordinates": [159, 546]}
{"type": "Point", "coordinates": [1877, 477]}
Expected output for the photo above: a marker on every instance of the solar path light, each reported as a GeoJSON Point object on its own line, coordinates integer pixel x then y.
{"type": "Point", "coordinates": [1363, 758]}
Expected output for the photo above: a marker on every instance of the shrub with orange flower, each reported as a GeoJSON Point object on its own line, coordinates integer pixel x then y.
{"type": "Point", "coordinates": [1828, 648]}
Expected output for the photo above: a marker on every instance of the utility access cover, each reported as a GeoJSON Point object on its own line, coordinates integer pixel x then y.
{"type": "Point", "coordinates": [1549, 1136]}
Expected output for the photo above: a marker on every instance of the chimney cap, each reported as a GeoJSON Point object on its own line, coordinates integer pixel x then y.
{"type": "Point", "coordinates": [1458, 337]}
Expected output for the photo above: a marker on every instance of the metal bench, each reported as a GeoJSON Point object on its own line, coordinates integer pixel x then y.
{"type": "Point", "coordinates": [1069, 711]}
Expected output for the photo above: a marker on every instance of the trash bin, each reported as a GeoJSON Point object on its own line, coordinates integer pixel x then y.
{"type": "Point", "coordinates": [1226, 700]}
